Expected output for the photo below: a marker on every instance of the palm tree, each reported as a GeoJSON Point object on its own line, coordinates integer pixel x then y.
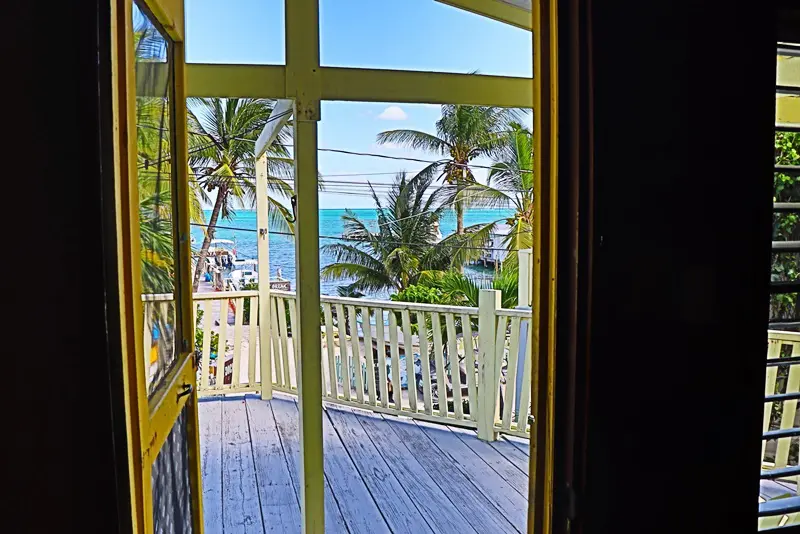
{"type": "Point", "coordinates": [405, 244]}
{"type": "Point", "coordinates": [463, 134]}
{"type": "Point", "coordinates": [510, 185]}
{"type": "Point", "coordinates": [226, 164]}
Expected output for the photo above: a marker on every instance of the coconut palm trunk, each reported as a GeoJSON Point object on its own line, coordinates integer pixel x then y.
{"type": "Point", "coordinates": [209, 235]}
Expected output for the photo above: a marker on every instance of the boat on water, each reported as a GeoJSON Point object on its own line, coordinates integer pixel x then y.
{"type": "Point", "coordinates": [245, 271]}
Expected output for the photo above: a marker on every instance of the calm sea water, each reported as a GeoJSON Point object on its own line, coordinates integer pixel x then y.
{"type": "Point", "coordinates": [281, 248]}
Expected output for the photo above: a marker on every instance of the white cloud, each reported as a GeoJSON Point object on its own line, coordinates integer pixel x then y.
{"type": "Point", "coordinates": [393, 113]}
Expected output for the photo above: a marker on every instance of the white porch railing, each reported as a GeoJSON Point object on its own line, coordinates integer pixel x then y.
{"type": "Point", "coordinates": [385, 356]}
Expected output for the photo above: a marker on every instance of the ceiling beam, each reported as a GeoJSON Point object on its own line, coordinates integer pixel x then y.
{"type": "Point", "coordinates": [497, 10]}
{"type": "Point", "coordinates": [363, 85]}
{"type": "Point", "coordinates": [229, 81]}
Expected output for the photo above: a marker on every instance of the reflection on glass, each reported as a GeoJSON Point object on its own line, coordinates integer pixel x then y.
{"type": "Point", "coordinates": [154, 156]}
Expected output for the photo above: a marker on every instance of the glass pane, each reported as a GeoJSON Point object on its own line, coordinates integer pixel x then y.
{"type": "Point", "coordinates": [155, 180]}
{"type": "Point", "coordinates": [235, 31]}
{"type": "Point", "coordinates": [172, 511]}
{"type": "Point", "coordinates": [420, 35]}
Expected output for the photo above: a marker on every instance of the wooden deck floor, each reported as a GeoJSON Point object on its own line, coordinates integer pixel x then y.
{"type": "Point", "coordinates": [382, 473]}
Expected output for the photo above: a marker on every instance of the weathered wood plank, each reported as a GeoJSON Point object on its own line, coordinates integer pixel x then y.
{"type": "Point", "coordinates": [433, 504]}
{"type": "Point", "coordinates": [455, 366]}
{"type": "Point", "coordinates": [280, 506]}
{"type": "Point", "coordinates": [275, 343]}
{"type": "Point", "coordinates": [240, 507]}
{"type": "Point", "coordinates": [380, 338]}
{"type": "Point", "coordinates": [210, 417]}
{"type": "Point", "coordinates": [294, 325]}
{"type": "Point", "coordinates": [394, 350]}
{"type": "Point", "coordinates": [360, 512]}
{"type": "Point", "coordinates": [206, 365]}
{"type": "Point", "coordinates": [333, 382]}
{"type": "Point", "coordinates": [511, 453]}
{"type": "Point", "coordinates": [438, 355]}
{"type": "Point", "coordinates": [351, 312]}
{"type": "Point", "coordinates": [287, 421]}
{"type": "Point", "coordinates": [395, 505]}
{"type": "Point", "coordinates": [463, 493]}
{"type": "Point", "coordinates": [517, 478]}
{"type": "Point", "coordinates": [409, 349]}
{"type": "Point", "coordinates": [511, 375]}
{"type": "Point", "coordinates": [469, 355]}
{"type": "Point", "coordinates": [500, 493]}
{"type": "Point", "coordinates": [251, 346]}
{"type": "Point", "coordinates": [280, 304]}
{"type": "Point", "coordinates": [369, 360]}
{"type": "Point", "coordinates": [237, 341]}
{"type": "Point", "coordinates": [222, 347]}
{"type": "Point", "coordinates": [525, 395]}
{"type": "Point", "coordinates": [522, 445]}
{"type": "Point", "coordinates": [344, 357]}
{"type": "Point", "coordinates": [424, 359]}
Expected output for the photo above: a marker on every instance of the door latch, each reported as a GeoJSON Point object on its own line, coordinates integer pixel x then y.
{"type": "Point", "coordinates": [187, 390]}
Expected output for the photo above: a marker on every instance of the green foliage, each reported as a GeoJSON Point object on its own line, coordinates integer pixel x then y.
{"type": "Point", "coordinates": [403, 245]}
{"type": "Point", "coordinates": [198, 336]}
{"type": "Point", "coordinates": [252, 286]}
{"type": "Point", "coordinates": [418, 293]}
{"type": "Point", "coordinates": [786, 266]}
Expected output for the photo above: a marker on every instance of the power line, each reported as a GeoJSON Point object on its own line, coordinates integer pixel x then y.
{"type": "Point", "coordinates": [215, 142]}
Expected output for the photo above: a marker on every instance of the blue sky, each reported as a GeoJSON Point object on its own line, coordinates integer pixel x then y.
{"type": "Point", "coordinates": [392, 34]}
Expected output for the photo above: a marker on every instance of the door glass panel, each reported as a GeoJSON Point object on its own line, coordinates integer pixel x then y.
{"type": "Point", "coordinates": [154, 150]}
{"type": "Point", "coordinates": [172, 511]}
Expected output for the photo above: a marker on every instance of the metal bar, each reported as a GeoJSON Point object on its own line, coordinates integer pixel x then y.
{"type": "Point", "coordinates": [782, 433]}
{"type": "Point", "coordinates": [786, 206]}
{"type": "Point", "coordinates": [788, 169]}
{"type": "Point", "coordinates": [787, 90]}
{"type": "Point", "coordinates": [789, 286]}
{"type": "Point", "coordinates": [781, 324]}
{"type": "Point", "coordinates": [788, 50]}
{"type": "Point", "coordinates": [794, 360]}
{"type": "Point", "coordinates": [782, 472]}
{"type": "Point", "coordinates": [782, 396]}
{"type": "Point", "coordinates": [786, 246]}
{"type": "Point", "coordinates": [779, 506]}
{"type": "Point", "coordinates": [784, 127]}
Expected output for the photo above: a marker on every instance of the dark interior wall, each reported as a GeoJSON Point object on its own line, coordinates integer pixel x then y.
{"type": "Point", "coordinates": [683, 97]}
{"type": "Point", "coordinates": [57, 319]}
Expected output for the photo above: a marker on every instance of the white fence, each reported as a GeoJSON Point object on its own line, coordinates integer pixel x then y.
{"type": "Point", "coordinates": [418, 360]}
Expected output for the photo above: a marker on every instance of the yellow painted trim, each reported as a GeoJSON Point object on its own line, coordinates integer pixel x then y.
{"type": "Point", "coordinates": [222, 81]}
{"type": "Point", "coordinates": [303, 85]}
{"type": "Point", "coordinates": [545, 58]}
{"type": "Point", "coordinates": [496, 10]}
{"type": "Point", "coordinates": [787, 110]}
{"type": "Point", "coordinates": [121, 28]}
{"type": "Point", "coordinates": [377, 85]}
{"type": "Point", "coordinates": [362, 85]}
{"type": "Point", "coordinates": [169, 14]}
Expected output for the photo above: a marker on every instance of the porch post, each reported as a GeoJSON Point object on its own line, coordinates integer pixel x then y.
{"type": "Point", "coordinates": [262, 220]}
{"type": "Point", "coordinates": [525, 257]}
{"type": "Point", "coordinates": [304, 86]}
{"type": "Point", "coordinates": [489, 365]}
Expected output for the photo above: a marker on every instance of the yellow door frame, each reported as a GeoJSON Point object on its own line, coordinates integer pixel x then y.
{"type": "Point", "coordinates": [307, 83]}
{"type": "Point", "coordinates": [150, 420]}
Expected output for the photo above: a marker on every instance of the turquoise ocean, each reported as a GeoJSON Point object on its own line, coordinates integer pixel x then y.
{"type": "Point", "coordinates": [281, 248]}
